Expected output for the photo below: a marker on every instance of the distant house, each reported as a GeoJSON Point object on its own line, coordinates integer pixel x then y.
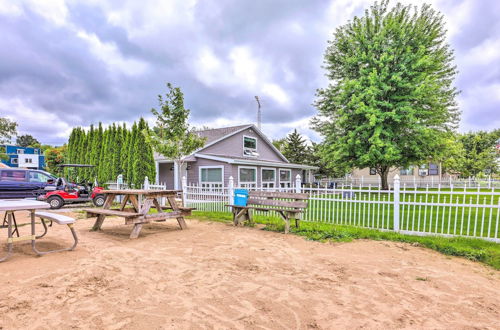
{"type": "Point", "coordinates": [242, 152]}
{"type": "Point", "coordinates": [429, 172]}
{"type": "Point", "coordinates": [23, 157]}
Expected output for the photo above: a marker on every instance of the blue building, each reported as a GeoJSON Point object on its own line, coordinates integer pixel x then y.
{"type": "Point", "coordinates": [24, 157]}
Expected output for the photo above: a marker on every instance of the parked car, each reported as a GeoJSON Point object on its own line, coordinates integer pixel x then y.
{"type": "Point", "coordinates": [24, 183]}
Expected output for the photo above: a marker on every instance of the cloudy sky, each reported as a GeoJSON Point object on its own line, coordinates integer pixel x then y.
{"type": "Point", "coordinates": [66, 63]}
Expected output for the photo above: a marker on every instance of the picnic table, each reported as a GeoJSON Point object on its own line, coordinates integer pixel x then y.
{"type": "Point", "coordinates": [13, 205]}
{"type": "Point", "coordinates": [141, 201]}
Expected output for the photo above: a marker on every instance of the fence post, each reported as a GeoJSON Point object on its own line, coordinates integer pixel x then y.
{"type": "Point", "coordinates": [298, 184]}
{"type": "Point", "coordinates": [230, 190]}
{"type": "Point", "coordinates": [396, 202]}
{"type": "Point", "coordinates": [184, 191]}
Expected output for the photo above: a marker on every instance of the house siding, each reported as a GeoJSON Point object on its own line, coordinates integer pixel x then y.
{"type": "Point", "coordinates": [233, 147]}
{"type": "Point", "coordinates": [193, 173]}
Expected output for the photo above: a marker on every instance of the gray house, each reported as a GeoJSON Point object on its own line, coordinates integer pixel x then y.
{"type": "Point", "coordinates": [242, 152]}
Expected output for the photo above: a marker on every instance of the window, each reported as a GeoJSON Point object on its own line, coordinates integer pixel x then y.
{"type": "Point", "coordinates": [373, 171]}
{"type": "Point", "coordinates": [38, 177]}
{"type": "Point", "coordinates": [14, 160]}
{"type": "Point", "coordinates": [211, 177]}
{"type": "Point", "coordinates": [35, 151]}
{"type": "Point", "coordinates": [20, 151]}
{"type": "Point", "coordinates": [9, 175]}
{"type": "Point", "coordinates": [268, 176]}
{"type": "Point", "coordinates": [406, 171]}
{"type": "Point", "coordinates": [247, 176]}
{"type": "Point", "coordinates": [285, 178]}
{"type": "Point", "coordinates": [28, 161]}
{"type": "Point", "coordinates": [250, 146]}
{"type": "Point", "coordinates": [433, 169]}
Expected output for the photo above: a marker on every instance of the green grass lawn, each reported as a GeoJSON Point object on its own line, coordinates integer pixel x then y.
{"type": "Point", "coordinates": [472, 249]}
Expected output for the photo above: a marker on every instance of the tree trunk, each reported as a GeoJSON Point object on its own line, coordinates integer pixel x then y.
{"type": "Point", "coordinates": [384, 173]}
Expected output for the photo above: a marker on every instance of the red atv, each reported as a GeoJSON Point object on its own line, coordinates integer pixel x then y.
{"type": "Point", "coordinates": [68, 193]}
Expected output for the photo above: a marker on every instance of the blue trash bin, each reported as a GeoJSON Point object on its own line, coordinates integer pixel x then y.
{"type": "Point", "coordinates": [240, 197]}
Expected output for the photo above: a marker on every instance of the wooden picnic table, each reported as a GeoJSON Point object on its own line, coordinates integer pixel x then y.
{"type": "Point", "coordinates": [141, 201]}
{"type": "Point", "coordinates": [12, 205]}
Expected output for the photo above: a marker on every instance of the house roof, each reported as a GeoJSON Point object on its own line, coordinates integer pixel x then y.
{"type": "Point", "coordinates": [232, 130]}
{"type": "Point", "coordinates": [249, 161]}
{"type": "Point", "coordinates": [214, 134]}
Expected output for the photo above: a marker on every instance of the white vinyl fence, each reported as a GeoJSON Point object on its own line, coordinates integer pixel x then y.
{"type": "Point", "coordinates": [413, 181]}
{"type": "Point", "coordinates": [418, 211]}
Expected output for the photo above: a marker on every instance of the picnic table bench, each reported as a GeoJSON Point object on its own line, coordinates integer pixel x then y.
{"type": "Point", "coordinates": [288, 205]}
{"type": "Point", "coordinates": [33, 207]}
{"type": "Point", "coordinates": [138, 213]}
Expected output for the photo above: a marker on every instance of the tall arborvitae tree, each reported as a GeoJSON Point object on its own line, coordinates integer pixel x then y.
{"type": "Point", "coordinates": [391, 100]}
{"type": "Point", "coordinates": [101, 171]}
{"type": "Point", "coordinates": [124, 154]}
{"type": "Point", "coordinates": [96, 151]}
{"type": "Point", "coordinates": [130, 153]}
{"type": "Point", "coordinates": [118, 151]}
{"type": "Point", "coordinates": [143, 162]}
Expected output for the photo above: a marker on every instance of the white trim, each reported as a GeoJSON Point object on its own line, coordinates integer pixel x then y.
{"type": "Point", "coordinates": [214, 166]}
{"type": "Point", "coordinates": [279, 177]}
{"type": "Point", "coordinates": [243, 146]}
{"type": "Point", "coordinates": [267, 184]}
{"type": "Point", "coordinates": [262, 176]}
{"type": "Point", "coordinates": [248, 182]}
{"type": "Point", "coordinates": [255, 162]}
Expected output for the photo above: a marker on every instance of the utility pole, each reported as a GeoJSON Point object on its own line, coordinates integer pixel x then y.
{"type": "Point", "coordinates": [259, 114]}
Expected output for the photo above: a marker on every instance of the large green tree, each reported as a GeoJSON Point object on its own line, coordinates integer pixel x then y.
{"type": "Point", "coordinates": [391, 100]}
{"type": "Point", "coordinates": [172, 135]}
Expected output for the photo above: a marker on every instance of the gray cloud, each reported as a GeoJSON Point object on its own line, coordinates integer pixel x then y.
{"type": "Point", "coordinates": [98, 67]}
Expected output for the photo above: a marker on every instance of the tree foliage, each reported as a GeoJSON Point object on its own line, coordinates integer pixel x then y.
{"type": "Point", "coordinates": [390, 101]}
{"type": "Point", "coordinates": [172, 136]}
{"type": "Point", "coordinates": [27, 141]}
{"type": "Point", "coordinates": [8, 129]}
{"type": "Point", "coordinates": [474, 154]}
{"type": "Point", "coordinates": [54, 156]}
{"type": "Point", "coordinates": [114, 150]}
{"type": "Point", "coordinates": [295, 148]}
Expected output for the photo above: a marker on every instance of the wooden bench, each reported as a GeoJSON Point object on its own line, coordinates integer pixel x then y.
{"type": "Point", "coordinates": [288, 205]}
{"type": "Point", "coordinates": [61, 220]}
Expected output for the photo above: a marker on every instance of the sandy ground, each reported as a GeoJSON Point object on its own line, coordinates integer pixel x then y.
{"type": "Point", "coordinates": [213, 275]}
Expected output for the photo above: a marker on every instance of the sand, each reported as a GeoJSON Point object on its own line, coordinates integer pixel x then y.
{"type": "Point", "coordinates": [215, 276]}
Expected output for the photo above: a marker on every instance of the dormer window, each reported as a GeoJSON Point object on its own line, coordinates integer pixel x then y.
{"type": "Point", "coordinates": [250, 146]}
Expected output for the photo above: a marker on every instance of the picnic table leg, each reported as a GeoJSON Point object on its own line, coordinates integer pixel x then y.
{"type": "Point", "coordinates": [293, 216]}
{"type": "Point", "coordinates": [9, 235]}
{"type": "Point", "coordinates": [287, 221]}
{"type": "Point", "coordinates": [136, 231]}
{"type": "Point", "coordinates": [98, 222]}
{"type": "Point", "coordinates": [100, 218]}
{"type": "Point", "coordinates": [173, 204]}
{"type": "Point", "coordinates": [182, 222]}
